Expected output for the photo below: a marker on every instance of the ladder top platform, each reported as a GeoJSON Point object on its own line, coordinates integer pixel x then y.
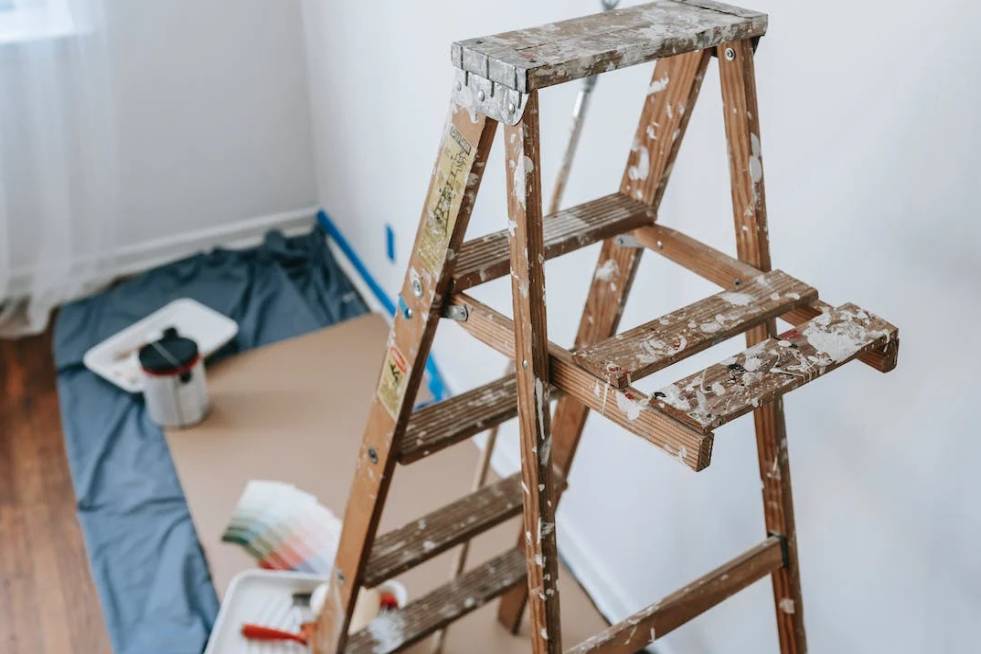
{"type": "Point", "coordinates": [529, 59]}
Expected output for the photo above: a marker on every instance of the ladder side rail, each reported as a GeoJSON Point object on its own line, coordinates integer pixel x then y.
{"type": "Point", "coordinates": [456, 177]}
{"type": "Point", "coordinates": [526, 240]}
{"type": "Point", "coordinates": [672, 93]}
{"type": "Point", "coordinates": [742, 127]}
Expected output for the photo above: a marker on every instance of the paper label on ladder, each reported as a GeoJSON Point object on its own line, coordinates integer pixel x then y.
{"type": "Point", "coordinates": [456, 159]}
{"type": "Point", "coordinates": [394, 377]}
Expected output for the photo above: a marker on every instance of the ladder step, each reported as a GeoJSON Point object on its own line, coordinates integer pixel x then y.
{"type": "Point", "coordinates": [774, 367]}
{"type": "Point", "coordinates": [627, 407]}
{"type": "Point", "coordinates": [402, 549]}
{"type": "Point", "coordinates": [659, 343]}
{"type": "Point", "coordinates": [486, 258]}
{"type": "Point", "coordinates": [534, 58]}
{"type": "Point", "coordinates": [729, 272]}
{"type": "Point", "coordinates": [446, 423]}
{"type": "Point", "coordinates": [395, 630]}
{"type": "Point", "coordinates": [644, 627]}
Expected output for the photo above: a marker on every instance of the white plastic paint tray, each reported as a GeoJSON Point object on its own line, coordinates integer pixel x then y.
{"type": "Point", "coordinates": [263, 597]}
{"type": "Point", "coordinates": [115, 359]}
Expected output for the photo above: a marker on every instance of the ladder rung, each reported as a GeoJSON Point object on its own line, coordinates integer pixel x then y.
{"type": "Point", "coordinates": [446, 423]}
{"type": "Point", "coordinates": [728, 272]}
{"type": "Point", "coordinates": [534, 58]}
{"type": "Point", "coordinates": [486, 258]}
{"type": "Point", "coordinates": [773, 367]}
{"type": "Point", "coordinates": [645, 626]}
{"type": "Point", "coordinates": [395, 630]}
{"type": "Point", "coordinates": [659, 343]}
{"type": "Point", "coordinates": [626, 407]}
{"type": "Point", "coordinates": [421, 540]}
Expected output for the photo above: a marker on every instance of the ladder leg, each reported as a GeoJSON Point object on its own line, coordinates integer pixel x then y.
{"type": "Point", "coordinates": [452, 189]}
{"type": "Point", "coordinates": [664, 118]}
{"type": "Point", "coordinates": [526, 242]}
{"type": "Point", "coordinates": [749, 208]}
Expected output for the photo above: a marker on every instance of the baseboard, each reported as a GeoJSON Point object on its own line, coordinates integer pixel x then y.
{"type": "Point", "coordinates": [138, 257]}
{"type": "Point", "coordinates": [238, 234]}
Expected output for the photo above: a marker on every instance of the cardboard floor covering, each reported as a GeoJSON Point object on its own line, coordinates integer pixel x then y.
{"type": "Point", "coordinates": [294, 411]}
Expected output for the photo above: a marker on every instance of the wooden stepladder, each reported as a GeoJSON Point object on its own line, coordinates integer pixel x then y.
{"type": "Point", "coordinates": [497, 81]}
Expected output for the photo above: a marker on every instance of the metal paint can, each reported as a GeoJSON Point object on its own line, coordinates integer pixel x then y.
{"type": "Point", "coordinates": [175, 391]}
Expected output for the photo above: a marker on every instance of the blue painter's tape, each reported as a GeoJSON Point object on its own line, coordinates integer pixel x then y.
{"type": "Point", "coordinates": [437, 387]}
{"type": "Point", "coordinates": [390, 243]}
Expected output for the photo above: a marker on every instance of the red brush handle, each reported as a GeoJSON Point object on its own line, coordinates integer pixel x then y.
{"type": "Point", "coordinates": [257, 632]}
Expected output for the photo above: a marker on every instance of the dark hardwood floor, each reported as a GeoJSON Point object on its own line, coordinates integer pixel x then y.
{"type": "Point", "coordinates": [48, 603]}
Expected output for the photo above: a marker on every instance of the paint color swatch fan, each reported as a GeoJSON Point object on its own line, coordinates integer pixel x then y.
{"type": "Point", "coordinates": [284, 528]}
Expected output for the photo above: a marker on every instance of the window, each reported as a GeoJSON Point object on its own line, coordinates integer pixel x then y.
{"type": "Point", "coordinates": [30, 20]}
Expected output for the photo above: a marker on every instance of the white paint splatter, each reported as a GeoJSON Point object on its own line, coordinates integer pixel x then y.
{"type": "Point", "coordinates": [387, 632]}
{"type": "Point", "coordinates": [671, 395]}
{"type": "Point", "coordinates": [524, 167]}
{"type": "Point", "coordinates": [541, 403]}
{"type": "Point", "coordinates": [737, 299]}
{"type": "Point", "coordinates": [607, 271]}
{"type": "Point", "coordinates": [787, 605]}
{"type": "Point", "coordinates": [631, 408]}
{"type": "Point", "coordinates": [642, 168]}
{"type": "Point", "coordinates": [658, 85]}
{"type": "Point", "coordinates": [755, 164]}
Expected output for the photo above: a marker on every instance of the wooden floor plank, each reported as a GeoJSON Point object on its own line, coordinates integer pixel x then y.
{"type": "Point", "coordinates": [48, 602]}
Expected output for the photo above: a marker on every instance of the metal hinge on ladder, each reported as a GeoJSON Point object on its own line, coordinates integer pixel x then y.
{"type": "Point", "coordinates": [478, 94]}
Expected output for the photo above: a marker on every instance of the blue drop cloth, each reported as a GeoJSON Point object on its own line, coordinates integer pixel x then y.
{"type": "Point", "coordinates": [147, 564]}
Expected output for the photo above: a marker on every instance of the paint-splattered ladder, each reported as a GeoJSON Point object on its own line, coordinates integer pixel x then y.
{"type": "Point", "coordinates": [497, 81]}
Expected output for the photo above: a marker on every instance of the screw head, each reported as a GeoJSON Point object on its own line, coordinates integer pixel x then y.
{"type": "Point", "coordinates": [481, 96]}
{"type": "Point", "coordinates": [510, 107]}
{"type": "Point", "coordinates": [730, 54]}
{"type": "Point", "coordinates": [373, 455]}
{"type": "Point", "coordinates": [417, 288]}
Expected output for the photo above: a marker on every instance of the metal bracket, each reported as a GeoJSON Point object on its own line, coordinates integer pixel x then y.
{"type": "Point", "coordinates": [457, 312]}
{"type": "Point", "coordinates": [478, 94]}
{"type": "Point", "coordinates": [627, 241]}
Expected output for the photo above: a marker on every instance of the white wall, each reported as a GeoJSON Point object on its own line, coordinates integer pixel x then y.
{"type": "Point", "coordinates": [870, 141]}
{"type": "Point", "coordinates": [213, 111]}
{"type": "Point", "coordinates": [210, 128]}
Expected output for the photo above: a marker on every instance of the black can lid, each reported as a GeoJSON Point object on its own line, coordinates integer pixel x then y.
{"type": "Point", "coordinates": [171, 355]}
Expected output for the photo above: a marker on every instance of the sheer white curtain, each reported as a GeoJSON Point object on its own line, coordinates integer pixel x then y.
{"type": "Point", "coordinates": [58, 178]}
